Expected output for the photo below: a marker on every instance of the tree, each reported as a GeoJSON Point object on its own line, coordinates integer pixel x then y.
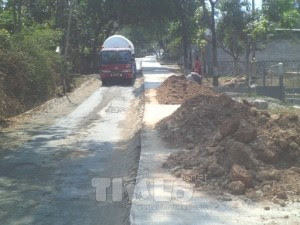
{"type": "Point", "coordinates": [232, 33]}
{"type": "Point", "coordinates": [185, 9]}
{"type": "Point", "coordinates": [259, 31]}
{"type": "Point", "coordinates": [150, 26]}
{"type": "Point", "coordinates": [284, 13]}
{"type": "Point", "coordinates": [201, 23]}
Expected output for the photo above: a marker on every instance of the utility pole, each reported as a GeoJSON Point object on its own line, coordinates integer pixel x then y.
{"type": "Point", "coordinates": [66, 84]}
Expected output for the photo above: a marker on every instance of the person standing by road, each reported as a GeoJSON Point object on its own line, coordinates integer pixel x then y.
{"type": "Point", "coordinates": [196, 74]}
{"type": "Point", "coordinates": [197, 66]}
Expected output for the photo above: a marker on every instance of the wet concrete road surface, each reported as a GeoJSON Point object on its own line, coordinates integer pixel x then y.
{"type": "Point", "coordinates": [48, 180]}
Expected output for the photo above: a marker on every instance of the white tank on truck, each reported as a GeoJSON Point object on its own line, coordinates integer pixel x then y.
{"type": "Point", "coordinates": [118, 41]}
{"type": "Point", "coordinates": [117, 60]}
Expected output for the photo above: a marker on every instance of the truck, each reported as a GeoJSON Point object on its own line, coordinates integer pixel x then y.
{"type": "Point", "coordinates": [117, 60]}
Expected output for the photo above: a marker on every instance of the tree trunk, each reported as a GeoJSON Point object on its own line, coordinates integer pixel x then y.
{"type": "Point", "coordinates": [253, 43]}
{"type": "Point", "coordinates": [248, 51]}
{"type": "Point", "coordinates": [181, 7]}
{"type": "Point", "coordinates": [60, 13]}
{"type": "Point", "coordinates": [214, 45]}
{"type": "Point", "coordinates": [95, 44]}
{"type": "Point", "coordinates": [185, 42]}
{"type": "Point", "coordinates": [190, 57]}
{"type": "Point", "coordinates": [235, 66]}
{"type": "Point", "coordinates": [15, 16]}
{"type": "Point", "coordinates": [94, 52]}
{"type": "Point", "coordinates": [206, 16]}
{"type": "Point", "coordinates": [253, 51]}
{"type": "Point", "coordinates": [19, 15]}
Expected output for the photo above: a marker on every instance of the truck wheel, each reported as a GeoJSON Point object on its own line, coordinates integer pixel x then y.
{"type": "Point", "coordinates": [130, 81]}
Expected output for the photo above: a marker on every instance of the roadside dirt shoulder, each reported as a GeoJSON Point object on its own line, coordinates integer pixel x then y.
{"type": "Point", "coordinates": [19, 129]}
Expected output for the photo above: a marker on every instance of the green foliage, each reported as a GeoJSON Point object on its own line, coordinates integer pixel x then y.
{"type": "Point", "coordinates": [4, 39]}
{"type": "Point", "coordinates": [259, 29]}
{"type": "Point", "coordinates": [284, 13]}
{"type": "Point", "coordinates": [42, 63]}
{"type": "Point", "coordinates": [6, 20]}
{"type": "Point", "coordinates": [174, 48]}
{"type": "Point", "coordinates": [31, 66]}
{"type": "Point", "coordinates": [141, 38]}
{"type": "Point", "coordinates": [259, 32]}
{"type": "Point", "coordinates": [231, 29]}
{"type": "Point", "coordinates": [46, 39]}
{"type": "Point", "coordinates": [199, 28]}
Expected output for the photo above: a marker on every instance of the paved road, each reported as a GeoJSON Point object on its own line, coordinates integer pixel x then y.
{"type": "Point", "coordinates": [48, 180]}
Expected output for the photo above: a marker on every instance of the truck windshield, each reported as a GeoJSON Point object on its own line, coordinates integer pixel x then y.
{"type": "Point", "coordinates": [108, 57]}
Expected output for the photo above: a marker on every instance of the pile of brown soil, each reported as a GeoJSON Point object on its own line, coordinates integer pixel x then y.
{"type": "Point", "coordinates": [177, 89]}
{"type": "Point", "coordinates": [231, 146]}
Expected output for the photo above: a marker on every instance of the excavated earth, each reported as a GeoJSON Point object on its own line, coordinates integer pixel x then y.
{"type": "Point", "coordinates": [233, 147]}
{"type": "Point", "coordinates": [177, 89]}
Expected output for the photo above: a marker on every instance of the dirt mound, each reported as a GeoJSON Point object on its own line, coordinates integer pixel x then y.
{"type": "Point", "coordinates": [234, 147]}
{"type": "Point", "coordinates": [177, 89]}
{"type": "Point", "coordinates": [196, 120]}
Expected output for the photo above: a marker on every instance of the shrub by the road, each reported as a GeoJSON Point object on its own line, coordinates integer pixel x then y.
{"type": "Point", "coordinates": [29, 69]}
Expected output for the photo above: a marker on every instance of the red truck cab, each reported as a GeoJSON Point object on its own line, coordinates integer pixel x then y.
{"type": "Point", "coordinates": [117, 64]}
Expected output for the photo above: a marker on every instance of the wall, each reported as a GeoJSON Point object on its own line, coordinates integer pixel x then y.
{"type": "Point", "coordinates": [280, 50]}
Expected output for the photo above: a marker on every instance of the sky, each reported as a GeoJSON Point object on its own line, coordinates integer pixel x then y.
{"type": "Point", "coordinates": [258, 3]}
